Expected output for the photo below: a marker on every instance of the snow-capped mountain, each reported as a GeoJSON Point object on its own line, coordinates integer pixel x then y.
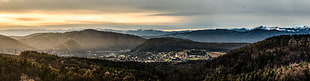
{"type": "Point", "coordinates": [294, 28]}
{"type": "Point", "coordinates": [244, 35]}
{"type": "Point", "coordinates": [145, 33]}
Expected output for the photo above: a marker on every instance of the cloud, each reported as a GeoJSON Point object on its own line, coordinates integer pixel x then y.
{"type": "Point", "coordinates": [45, 19]}
{"type": "Point", "coordinates": [28, 19]}
{"type": "Point", "coordinates": [70, 5]}
{"type": "Point", "coordinates": [194, 13]}
{"type": "Point", "coordinates": [166, 7]}
{"type": "Point", "coordinates": [182, 14]}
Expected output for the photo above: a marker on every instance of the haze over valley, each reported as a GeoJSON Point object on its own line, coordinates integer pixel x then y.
{"type": "Point", "coordinates": [144, 45]}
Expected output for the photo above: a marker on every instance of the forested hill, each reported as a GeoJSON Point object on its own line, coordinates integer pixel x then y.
{"type": "Point", "coordinates": [36, 66]}
{"type": "Point", "coordinates": [281, 58]}
{"type": "Point", "coordinates": [84, 40]}
{"type": "Point", "coordinates": [167, 44]}
{"type": "Point", "coordinates": [278, 58]}
{"type": "Point", "coordinates": [272, 52]}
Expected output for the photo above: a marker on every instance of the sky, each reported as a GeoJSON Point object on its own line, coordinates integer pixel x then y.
{"type": "Point", "coordinates": [151, 14]}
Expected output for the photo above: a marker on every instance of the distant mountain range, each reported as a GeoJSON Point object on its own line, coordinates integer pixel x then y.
{"type": "Point", "coordinates": [242, 35]}
{"type": "Point", "coordinates": [145, 33]}
{"type": "Point", "coordinates": [105, 39]}
{"type": "Point", "coordinates": [229, 36]}
{"type": "Point", "coordinates": [235, 35]}
{"type": "Point", "coordinates": [297, 29]}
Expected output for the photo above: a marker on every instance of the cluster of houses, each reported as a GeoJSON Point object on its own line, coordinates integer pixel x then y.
{"type": "Point", "coordinates": [182, 56]}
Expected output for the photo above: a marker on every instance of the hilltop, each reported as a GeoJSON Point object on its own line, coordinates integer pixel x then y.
{"type": "Point", "coordinates": [90, 40]}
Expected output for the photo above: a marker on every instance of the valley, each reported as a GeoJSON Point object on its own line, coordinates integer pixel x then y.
{"type": "Point", "coordinates": [154, 59]}
{"type": "Point", "coordinates": [91, 43]}
{"type": "Point", "coordinates": [275, 58]}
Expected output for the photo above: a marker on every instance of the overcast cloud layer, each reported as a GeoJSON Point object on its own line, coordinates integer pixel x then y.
{"type": "Point", "coordinates": [194, 13]}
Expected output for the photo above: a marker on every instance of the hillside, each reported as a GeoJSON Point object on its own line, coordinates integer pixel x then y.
{"type": "Point", "coordinates": [9, 45]}
{"type": "Point", "coordinates": [274, 52]}
{"type": "Point", "coordinates": [36, 66]}
{"type": "Point", "coordinates": [229, 36]}
{"type": "Point", "coordinates": [82, 40]}
{"type": "Point", "coordinates": [166, 44]}
{"type": "Point", "coordinates": [272, 59]}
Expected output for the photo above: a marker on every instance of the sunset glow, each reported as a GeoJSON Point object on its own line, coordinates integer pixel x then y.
{"type": "Point", "coordinates": [43, 19]}
{"type": "Point", "coordinates": [150, 14]}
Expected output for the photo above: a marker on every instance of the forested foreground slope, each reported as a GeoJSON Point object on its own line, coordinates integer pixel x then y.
{"type": "Point", "coordinates": [277, 58]}
{"type": "Point", "coordinates": [36, 66]}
